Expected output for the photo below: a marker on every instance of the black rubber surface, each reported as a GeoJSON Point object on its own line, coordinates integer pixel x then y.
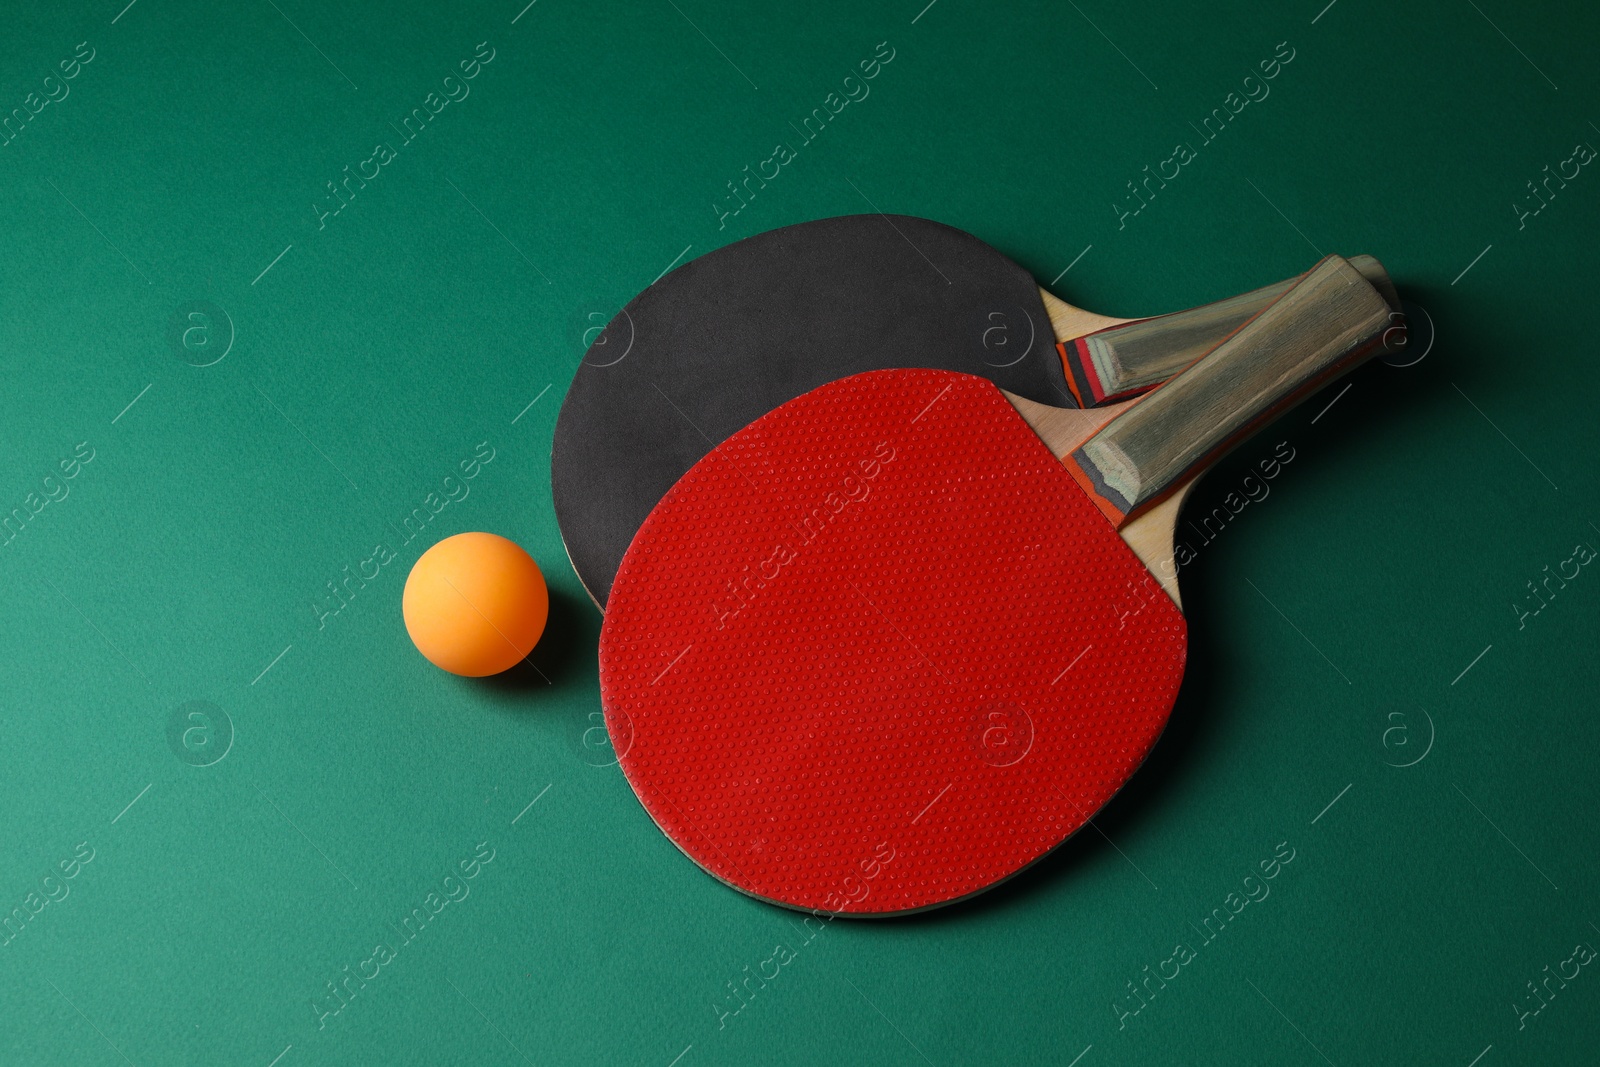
{"type": "Point", "coordinates": [725, 338]}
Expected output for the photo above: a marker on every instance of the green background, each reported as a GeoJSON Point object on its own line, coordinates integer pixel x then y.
{"type": "Point", "coordinates": [1358, 618]}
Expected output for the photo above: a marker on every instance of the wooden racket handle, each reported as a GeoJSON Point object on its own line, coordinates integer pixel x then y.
{"type": "Point", "coordinates": [1326, 323]}
{"type": "Point", "coordinates": [1120, 361]}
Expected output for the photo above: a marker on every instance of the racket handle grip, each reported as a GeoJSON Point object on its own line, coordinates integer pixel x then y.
{"type": "Point", "coordinates": [1325, 323]}
{"type": "Point", "coordinates": [1128, 359]}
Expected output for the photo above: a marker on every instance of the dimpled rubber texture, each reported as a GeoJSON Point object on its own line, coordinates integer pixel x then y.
{"type": "Point", "coordinates": [877, 652]}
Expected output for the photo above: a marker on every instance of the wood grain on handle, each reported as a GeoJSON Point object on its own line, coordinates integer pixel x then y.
{"type": "Point", "coordinates": [1121, 358]}
{"type": "Point", "coordinates": [1326, 323]}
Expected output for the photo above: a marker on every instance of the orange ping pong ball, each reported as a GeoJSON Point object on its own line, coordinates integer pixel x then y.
{"type": "Point", "coordinates": [475, 604]}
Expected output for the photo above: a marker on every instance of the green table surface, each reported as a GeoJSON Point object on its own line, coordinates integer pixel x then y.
{"type": "Point", "coordinates": [1374, 689]}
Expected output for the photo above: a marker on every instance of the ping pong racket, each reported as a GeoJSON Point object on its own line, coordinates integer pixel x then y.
{"type": "Point", "coordinates": [882, 649]}
{"type": "Point", "coordinates": [727, 337]}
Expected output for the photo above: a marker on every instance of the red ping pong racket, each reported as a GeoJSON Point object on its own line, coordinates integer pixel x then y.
{"type": "Point", "coordinates": [882, 649]}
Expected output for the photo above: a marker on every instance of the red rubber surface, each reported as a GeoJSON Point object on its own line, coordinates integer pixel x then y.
{"type": "Point", "coordinates": [878, 652]}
